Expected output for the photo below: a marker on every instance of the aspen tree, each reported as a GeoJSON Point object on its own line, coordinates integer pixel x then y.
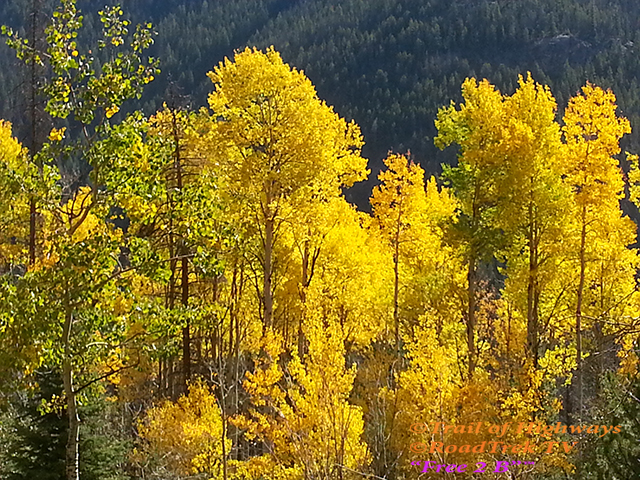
{"type": "Point", "coordinates": [410, 216]}
{"type": "Point", "coordinates": [477, 126]}
{"type": "Point", "coordinates": [592, 132]}
{"type": "Point", "coordinates": [184, 438]}
{"type": "Point", "coordinates": [21, 184]}
{"type": "Point", "coordinates": [399, 206]}
{"type": "Point", "coordinates": [338, 264]}
{"type": "Point", "coordinates": [81, 257]}
{"type": "Point", "coordinates": [534, 204]}
{"type": "Point", "coordinates": [278, 146]}
{"type": "Point", "coordinates": [15, 173]}
{"type": "Point", "coordinates": [311, 429]}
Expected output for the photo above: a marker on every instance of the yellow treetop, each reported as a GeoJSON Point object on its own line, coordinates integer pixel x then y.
{"type": "Point", "coordinates": [274, 135]}
{"type": "Point", "coordinates": [592, 133]}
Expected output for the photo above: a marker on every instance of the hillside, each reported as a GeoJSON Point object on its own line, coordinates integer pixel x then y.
{"type": "Point", "coordinates": [390, 64]}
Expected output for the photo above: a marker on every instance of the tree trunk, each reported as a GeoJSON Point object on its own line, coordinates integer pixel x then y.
{"type": "Point", "coordinates": [232, 316]}
{"type": "Point", "coordinates": [471, 315]}
{"type": "Point", "coordinates": [223, 411]}
{"type": "Point", "coordinates": [472, 285]}
{"type": "Point", "coordinates": [583, 238]}
{"type": "Point", "coordinates": [32, 230]}
{"type": "Point", "coordinates": [72, 453]}
{"type": "Point", "coordinates": [171, 386]}
{"type": "Point", "coordinates": [533, 296]}
{"type": "Point", "coordinates": [268, 268]}
{"type": "Point", "coordinates": [33, 113]}
{"type": "Point", "coordinates": [396, 288]}
{"type": "Point", "coordinates": [303, 297]}
{"type": "Point", "coordinates": [186, 331]}
{"type": "Point", "coordinates": [396, 282]}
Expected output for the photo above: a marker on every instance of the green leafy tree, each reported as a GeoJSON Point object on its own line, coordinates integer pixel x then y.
{"type": "Point", "coordinates": [614, 456]}
{"type": "Point", "coordinates": [74, 287]}
{"type": "Point", "coordinates": [477, 126]}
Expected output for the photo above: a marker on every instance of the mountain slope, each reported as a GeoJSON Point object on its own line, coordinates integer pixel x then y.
{"type": "Point", "coordinates": [390, 64]}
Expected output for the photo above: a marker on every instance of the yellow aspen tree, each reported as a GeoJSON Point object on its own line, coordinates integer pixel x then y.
{"type": "Point", "coordinates": [629, 358]}
{"type": "Point", "coordinates": [534, 205]}
{"type": "Point", "coordinates": [20, 178]}
{"type": "Point", "coordinates": [399, 205]}
{"type": "Point", "coordinates": [276, 143]}
{"type": "Point", "coordinates": [410, 216]}
{"type": "Point", "coordinates": [592, 132]}
{"type": "Point", "coordinates": [337, 266]}
{"type": "Point", "coordinates": [428, 390]}
{"type": "Point", "coordinates": [13, 191]}
{"type": "Point", "coordinates": [184, 438]}
{"type": "Point", "coordinates": [513, 205]}
{"type": "Point", "coordinates": [350, 279]}
{"type": "Point", "coordinates": [435, 267]}
{"type": "Point", "coordinates": [535, 211]}
{"type": "Point", "coordinates": [302, 412]}
{"type": "Point", "coordinates": [21, 187]}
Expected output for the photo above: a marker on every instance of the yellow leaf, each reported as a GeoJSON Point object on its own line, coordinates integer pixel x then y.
{"type": "Point", "coordinates": [112, 110]}
{"type": "Point", "coordinates": [57, 135]}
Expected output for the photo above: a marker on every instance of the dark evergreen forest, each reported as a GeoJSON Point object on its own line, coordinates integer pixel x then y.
{"type": "Point", "coordinates": [388, 64]}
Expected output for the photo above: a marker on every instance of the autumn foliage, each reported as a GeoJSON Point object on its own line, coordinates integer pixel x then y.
{"type": "Point", "coordinates": [261, 327]}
